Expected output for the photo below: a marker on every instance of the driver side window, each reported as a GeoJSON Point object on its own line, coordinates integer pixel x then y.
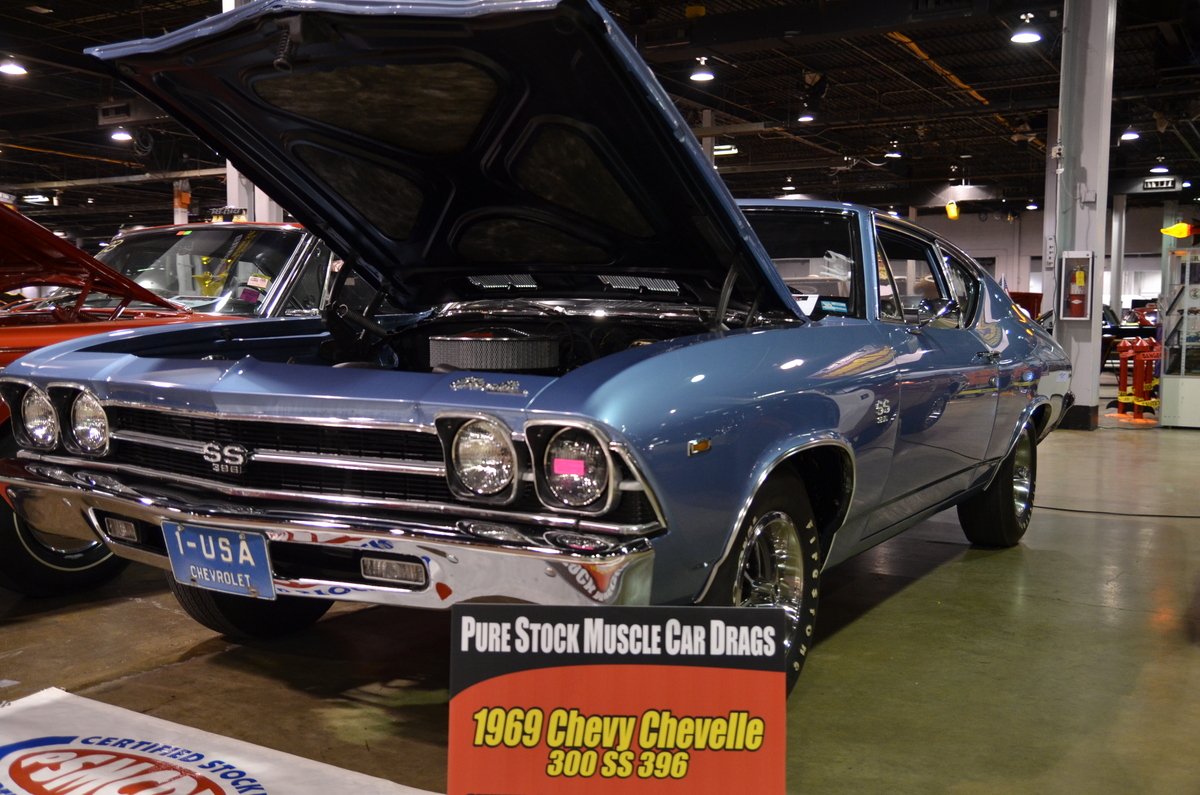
{"type": "Point", "coordinates": [918, 279]}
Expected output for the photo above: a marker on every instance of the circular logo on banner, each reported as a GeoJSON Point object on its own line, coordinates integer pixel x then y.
{"type": "Point", "coordinates": [116, 766]}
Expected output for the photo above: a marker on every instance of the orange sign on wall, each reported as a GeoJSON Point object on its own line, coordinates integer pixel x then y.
{"type": "Point", "coordinates": [616, 699]}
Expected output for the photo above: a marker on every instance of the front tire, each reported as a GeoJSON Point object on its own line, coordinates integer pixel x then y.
{"type": "Point", "coordinates": [244, 618]}
{"type": "Point", "coordinates": [38, 563]}
{"type": "Point", "coordinates": [999, 515]}
{"type": "Point", "coordinates": [776, 562]}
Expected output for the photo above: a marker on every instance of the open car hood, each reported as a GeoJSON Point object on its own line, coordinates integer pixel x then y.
{"type": "Point", "coordinates": [452, 150]}
{"type": "Point", "coordinates": [33, 256]}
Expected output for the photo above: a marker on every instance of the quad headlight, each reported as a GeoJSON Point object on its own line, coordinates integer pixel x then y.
{"type": "Point", "coordinates": [89, 423]}
{"type": "Point", "coordinates": [39, 419]}
{"type": "Point", "coordinates": [576, 468]}
{"type": "Point", "coordinates": [483, 457]}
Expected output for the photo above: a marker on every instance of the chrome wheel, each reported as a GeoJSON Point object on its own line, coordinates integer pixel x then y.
{"type": "Point", "coordinates": [775, 562]}
{"type": "Point", "coordinates": [770, 570]}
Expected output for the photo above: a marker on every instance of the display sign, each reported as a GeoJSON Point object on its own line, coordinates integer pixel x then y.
{"type": "Point", "coordinates": [617, 699]}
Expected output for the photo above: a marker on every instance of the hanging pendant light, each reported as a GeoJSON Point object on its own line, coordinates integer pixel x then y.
{"type": "Point", "coordinates": [702, 72]}
{"type": "Point", "coordinates": [1026, 33]}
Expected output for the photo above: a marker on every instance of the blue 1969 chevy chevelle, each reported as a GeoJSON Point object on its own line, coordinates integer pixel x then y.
{"type": "Point", "coordinates": [559, 364]}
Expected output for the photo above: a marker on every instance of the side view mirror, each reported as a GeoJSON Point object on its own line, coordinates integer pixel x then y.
{"type": "Point", "coordinates": [936, 308]}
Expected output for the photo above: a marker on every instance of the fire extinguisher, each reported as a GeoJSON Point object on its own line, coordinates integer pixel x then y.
{"type": "Point", "coordinates": [1077, 292]}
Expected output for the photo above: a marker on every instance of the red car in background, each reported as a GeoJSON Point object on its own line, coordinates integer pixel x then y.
{"type": "Point", "coordinates": [171, 274]}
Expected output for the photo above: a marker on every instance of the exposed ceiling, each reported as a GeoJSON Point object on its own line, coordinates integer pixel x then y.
{"type": "Point", "coordinates": [937, 79]}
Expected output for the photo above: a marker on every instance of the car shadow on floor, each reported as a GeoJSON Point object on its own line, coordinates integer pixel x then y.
{"type": "Point", "coordinates": [134, 583]}
{"type": "Point", "coordinates": [853, 588]}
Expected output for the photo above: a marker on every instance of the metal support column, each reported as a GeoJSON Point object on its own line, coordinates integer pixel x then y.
{"type": "Point", "coordinates": [1117, 252]}
{"type": "Point", "coordinates": [1050, 212]}
{"type": "Point", "coordinates": [1085, 110]}
{"type": "Point", "coordinates": [239, 191]}
{"type": "Point", "coordinates": [1170, 217]}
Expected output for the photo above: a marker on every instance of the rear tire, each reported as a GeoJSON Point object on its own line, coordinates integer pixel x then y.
{"type": "Point", "coordinates": [37, 563]}
{"type": "Point", "coordinates": [776, 562]}
{"type": "Point", "coordinates": [244, 618]}
{"type": "Point", "coordinates": [999, 515]}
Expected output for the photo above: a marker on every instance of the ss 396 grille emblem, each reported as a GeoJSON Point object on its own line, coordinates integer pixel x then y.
{"type": "Point", "coordinates": [229, 459]}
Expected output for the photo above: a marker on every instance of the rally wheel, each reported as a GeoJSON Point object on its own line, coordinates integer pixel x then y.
{"type": "Point", "coordinates": [776, 562]}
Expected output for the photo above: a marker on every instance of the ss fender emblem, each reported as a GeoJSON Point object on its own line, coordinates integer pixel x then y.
{"type": "Point", "coordinates": [230, 458]}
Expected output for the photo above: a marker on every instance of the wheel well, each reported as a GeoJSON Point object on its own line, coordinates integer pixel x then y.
{"type": "Point", "coordinates": [1039, 419]}
{"type": "Point", "coordinates": [827, 473]}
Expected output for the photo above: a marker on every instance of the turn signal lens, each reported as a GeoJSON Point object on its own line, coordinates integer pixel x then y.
{"type": "Point", "coordinates": [41, 422]}
{"type": "Point", "coordinates": [576, 468]}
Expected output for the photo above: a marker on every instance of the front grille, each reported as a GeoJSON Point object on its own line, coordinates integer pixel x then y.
{"type": "Point", "coordinates": [294, 478]}
{"type": "Point", "coordinates": [294, 481]}
{"type": "Point", "coordinates": [288, 437]}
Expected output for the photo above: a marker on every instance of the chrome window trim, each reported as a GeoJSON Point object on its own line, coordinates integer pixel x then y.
{"type": "Point", "coordinates": [456, 510]}
{"type": "Point", "coordinates": [281, 290]}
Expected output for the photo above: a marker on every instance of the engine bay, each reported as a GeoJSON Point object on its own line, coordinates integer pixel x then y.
{"type": "Point", "coordinates": [489, 339]}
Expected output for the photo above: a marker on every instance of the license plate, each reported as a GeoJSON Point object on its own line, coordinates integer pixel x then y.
{"type": "Point", "coordinates": [219, 560]}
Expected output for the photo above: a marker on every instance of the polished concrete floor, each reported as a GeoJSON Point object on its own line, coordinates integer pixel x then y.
{"type": "Point", "coordinates": [1070, 664]}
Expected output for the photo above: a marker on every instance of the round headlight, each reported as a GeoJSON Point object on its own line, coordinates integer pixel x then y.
{"type": "Point", "coordinates": [41, 422]}
{"type": "Point", "coordinates": [89, 423]}
{"type": "Point", "coordinates": [484, 461]}
{"type": "Point", "coordinates": [576, 468]}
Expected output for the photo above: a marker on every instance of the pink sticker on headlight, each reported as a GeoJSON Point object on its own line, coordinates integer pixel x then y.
{"type": "Point", "coordinates": [569, 466]}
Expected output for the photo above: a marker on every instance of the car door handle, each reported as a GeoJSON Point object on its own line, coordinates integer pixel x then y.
{"type": "Point", "coordinates": [991, 357]}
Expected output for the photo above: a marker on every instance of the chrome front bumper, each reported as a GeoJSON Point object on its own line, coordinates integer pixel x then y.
{"type": "Point", "coordinates": [75, 502]}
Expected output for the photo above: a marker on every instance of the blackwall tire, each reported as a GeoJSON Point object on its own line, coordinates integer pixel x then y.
{"type": "Point", "coordinates": [38, 563]}
{"type": "Point", "coordinates": [999, 515]}
{"type": "Point", "coordinates": [776, 562]}
{"type": "Point", "coordinates": [243, 618]}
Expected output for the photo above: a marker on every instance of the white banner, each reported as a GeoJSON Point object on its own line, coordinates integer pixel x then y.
{"type": "Point", "coordinates": [53, 743]}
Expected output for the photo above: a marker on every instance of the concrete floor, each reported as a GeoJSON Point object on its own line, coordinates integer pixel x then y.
{"type": "Point", "coordinates": [1068, 664]}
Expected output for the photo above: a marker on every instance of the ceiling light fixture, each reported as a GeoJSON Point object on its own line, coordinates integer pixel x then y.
{"type": "Point", "coordinates": [701, 72]}
{"type": "Point", "coordinates": [1025, 33]}
{"type": "Point", "coordinates": [893, 150]}
{"type": "Point", "coordinates": [10, 67]}
{"type": "Point", "coordinates": [1187, 183]}
{"type": "Point", "coordinates": [121, 134]}
{"type": "Point", "coordinates": [788, 185]}
{"type": "Point", "coordinates": [1160, 167]}
{"type": "Point", "coordinates": [1130, 134]}
{"type": "Point", "coordinates": [37, 198]}
{"type": "Point", "coordinates": [723, 150]}
{"type": "Point", "coordinates": [1033, 205]}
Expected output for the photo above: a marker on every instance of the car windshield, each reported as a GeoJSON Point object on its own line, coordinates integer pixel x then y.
{"type": "Point", "coordinates": [220, 269]}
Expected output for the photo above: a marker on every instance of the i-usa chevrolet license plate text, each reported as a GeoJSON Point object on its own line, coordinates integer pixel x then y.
{"type": "Point", "coordinates": [219, 560]}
